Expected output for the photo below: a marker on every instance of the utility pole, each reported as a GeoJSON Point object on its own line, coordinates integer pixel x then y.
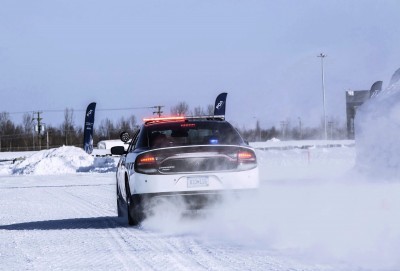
{"type": "Point", "coordinates": [47, 139]}
{"type": "Point", "coordinates": [39, 127]}
{"type": "Point", "coordinates": [300, 130]}
{"type": "Point", "coordinates": [322, 56]}
{"type": "Point", "coordinates": [284, 125]}
{"type": "Point", "coordinates": [158, 110]}
{"type": "Point", "coordinates": [33, 139]}
{"type": "Point", "coordinates": [330, 124]}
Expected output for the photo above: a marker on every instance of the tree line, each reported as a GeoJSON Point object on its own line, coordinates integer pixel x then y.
{"type": "Point", "coordinates": [27, 136]}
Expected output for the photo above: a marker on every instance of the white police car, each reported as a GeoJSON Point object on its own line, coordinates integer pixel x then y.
{"type": "Point", "coordinates": [196, 158]}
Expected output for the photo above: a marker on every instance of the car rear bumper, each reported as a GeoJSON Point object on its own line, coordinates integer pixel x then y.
{"type": "Point", "coordinates": [192, 200]}
{"type": "Point", "coordinates": [194, 183]}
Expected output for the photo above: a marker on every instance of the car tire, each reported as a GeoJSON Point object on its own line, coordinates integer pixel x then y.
{"type": "Point", "coordinates": [134, 207]}
{"type": "Point", "coordinates": [119, 204]}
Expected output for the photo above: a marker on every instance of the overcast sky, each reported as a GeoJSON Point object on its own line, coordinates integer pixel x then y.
{"type": "Point", "coordinates": [123, 54]}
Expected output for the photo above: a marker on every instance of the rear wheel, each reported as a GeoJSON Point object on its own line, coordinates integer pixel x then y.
{"type": "Point", "coordinates": [119, 203]}
{"type": "Point", "coordinates": [134, 207]}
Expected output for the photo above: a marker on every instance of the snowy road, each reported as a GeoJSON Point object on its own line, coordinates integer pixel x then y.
{"type": "Point", "coordinates": [311, 213]}
{"type": "Point", "coordinates": [69, 222]}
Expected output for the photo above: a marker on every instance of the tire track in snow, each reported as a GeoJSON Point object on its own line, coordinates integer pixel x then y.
{"type": "Point", "coordinates": [156, 252]}
{"type": "Point", "coordinates": [157, 255]}
{"type": "Point", "coordinates": [65, 245]}
{"type": "Point", "coordinates": [76, 228]}
{"type": "Point", "coordinates": [116, 246]}
{"type": "Point", "coordinates": [142, 249]}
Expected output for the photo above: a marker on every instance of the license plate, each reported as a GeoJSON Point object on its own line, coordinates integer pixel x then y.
{"type": "Point", "coordinates": [198, 181]}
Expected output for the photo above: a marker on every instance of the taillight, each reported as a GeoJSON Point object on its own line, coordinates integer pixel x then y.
{"type": "Point", "coordinates": [146, 163]}
{"type": "Point", "coordinates": [145, 160]}
{"type": "Point", "coordinates": [246, 159]}
{"type": "Point", "coordinates": [246, 156]}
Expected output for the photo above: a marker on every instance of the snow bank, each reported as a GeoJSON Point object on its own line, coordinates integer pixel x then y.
{"type": "Point", "coordinates": [5, 170]}
{"type": "Point", "coordinates": [377, 134]}
{"type": "Point", "coordinates": [63, 160]}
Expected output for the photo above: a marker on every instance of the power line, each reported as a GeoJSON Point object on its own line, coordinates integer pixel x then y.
{"type": "Point", "coordinates": [158, 110]}
{"type": "Point", "coordinates": [83, 110]}
{"type": "Point", "coordinates": [132, 108]}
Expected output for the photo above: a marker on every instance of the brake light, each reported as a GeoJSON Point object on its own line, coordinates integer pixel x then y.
{"type": "Point", "coordinates": [246, 156]}
{"type": "Point", "coordinates": [146, 164]}
{"type": "Point", "coordinates": [147, 159]}
{"type": "Point", "coordinates": [246, 160]}
{"type": "Point", "coordinates": [188, 125]}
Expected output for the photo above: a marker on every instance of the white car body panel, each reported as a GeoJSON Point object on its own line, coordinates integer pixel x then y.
{"type": "Point", "coordinates": [213, 181]}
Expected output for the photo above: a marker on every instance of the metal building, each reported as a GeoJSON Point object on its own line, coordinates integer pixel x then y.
{"type": "Point", "coordinates": [354, 99]}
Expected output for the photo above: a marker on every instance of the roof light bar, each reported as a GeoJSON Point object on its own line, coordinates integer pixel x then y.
{"type": "Point", "coordinates": [182, 118]}
{"type": "Point", "coordinates": [209, 117]}
{"type": "Point", "coordinates": [164, 119]}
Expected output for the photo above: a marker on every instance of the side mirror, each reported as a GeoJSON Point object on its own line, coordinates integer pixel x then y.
{"type": "Point", "coordinates": [124, 136]}
{"type": "Point", "coordinates": [118, 150]}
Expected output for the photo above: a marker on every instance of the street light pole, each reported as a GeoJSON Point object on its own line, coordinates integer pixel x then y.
{"type": "Point", "coordinates": [300, 132]}
{"type": "Point", "coordinates": [322, 56]}
{"type": "Point", "coordinates": [258, 129]}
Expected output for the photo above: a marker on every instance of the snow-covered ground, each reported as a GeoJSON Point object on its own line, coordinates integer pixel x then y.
{"type": "Point", "coordinates": [312, 212]}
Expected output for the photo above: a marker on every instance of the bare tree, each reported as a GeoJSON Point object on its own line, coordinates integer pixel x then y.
{"type": "Point", "coordinates": [180, 109]}
{"type": "Point", "coordinates": [198, 111]}
{"type": "Point", "coordinates": [106, 128]}
{"type": "Point", "coordinates": [27, 126]}
{"type": "Point", "coordinates": [27, 123]}
{"type": "Point", "coordinates": [132, 122]}
{"type": "Point", "coordinates": [68, 124]}
{"type": "Point", "coordinates": [123, 125]}
{"type": "Point", "coordinates": [126, 124]}
{"type": "Point", "coordinates": [5, 122]}
{"type": "Point", "coordinates": [7, 130]}
{"type": "Point", "coordinates": [210, 109]}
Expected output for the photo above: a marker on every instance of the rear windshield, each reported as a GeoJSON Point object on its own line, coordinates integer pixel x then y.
{"type": "Point", "coordinates": [188, 133]}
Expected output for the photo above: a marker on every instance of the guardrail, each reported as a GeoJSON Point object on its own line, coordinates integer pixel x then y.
{"type": "Point", "coordinates": [12, 160]}
{"type": "Point", "coordinates": [301, 144]}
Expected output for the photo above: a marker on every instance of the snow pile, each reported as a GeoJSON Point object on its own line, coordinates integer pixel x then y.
{"type": "Point", "coordinates": [274, 139]}
{"type": "Point", "coordinates": [9, 159]}
{"type": "Point", "coordinates": [63, 160]}
{"type": "Point", "coordinates": [5, 170]}
{"type": "Point", "coordinates": [101, 165]}
{"type": "Point", "coordinates": [377, 134]}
